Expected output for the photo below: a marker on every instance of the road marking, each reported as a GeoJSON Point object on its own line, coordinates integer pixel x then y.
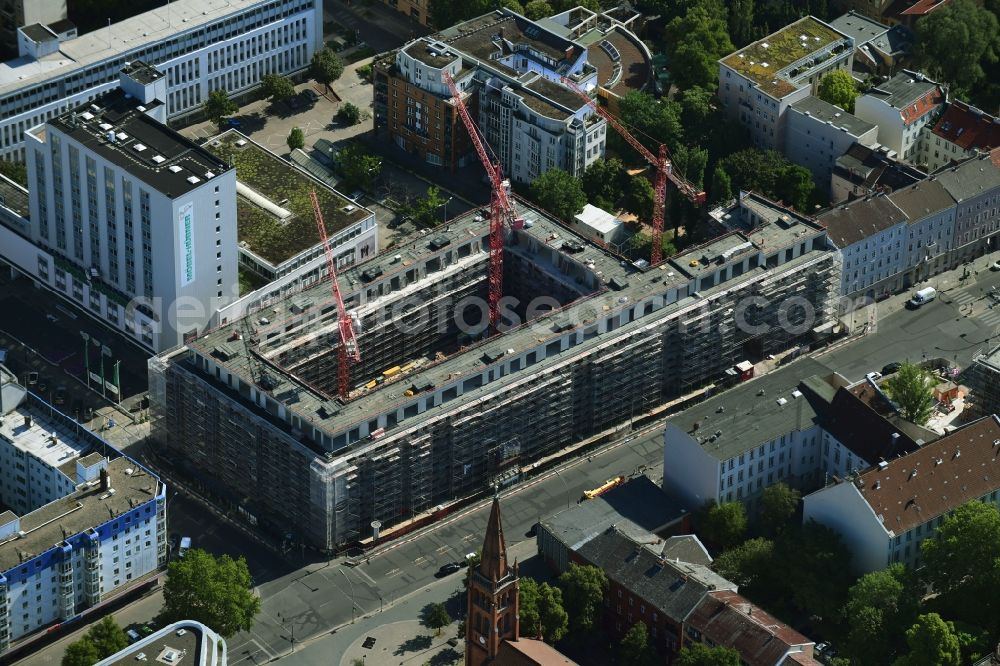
{"type": "Point", "coordinates": [442, 549]}
{"type": "Point", "coordinates": [420, 560]}
{"type": "Point", "coordinates": [366, 576]}
{"type": "Point", "coordinates": [393, 572]}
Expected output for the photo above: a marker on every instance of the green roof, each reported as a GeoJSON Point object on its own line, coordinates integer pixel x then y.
{"type": "Point", "coordinates": [779, 50]}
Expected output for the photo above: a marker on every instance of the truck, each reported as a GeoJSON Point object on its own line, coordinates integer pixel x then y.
{"type": "Point", "coordinates": [922, 296]}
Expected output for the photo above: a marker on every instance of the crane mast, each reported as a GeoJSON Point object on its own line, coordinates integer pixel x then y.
{"type": "Point", "coordinates": [348, 352]}
{"type": "Point", "coordinates": [664, 170]}
{"type": "Point", "coordinates": [501, 207]}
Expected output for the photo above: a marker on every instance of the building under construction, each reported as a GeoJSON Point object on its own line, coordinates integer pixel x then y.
{"type": "Point", "coordinates": [437, 411]}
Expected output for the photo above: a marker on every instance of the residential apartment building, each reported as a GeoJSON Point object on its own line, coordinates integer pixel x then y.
{"type": "Point", "coordinates": [962, 131]}
{"type": "Point", "coordinates": [871, 235]}
{"type": "Point", "coordinates": [618, 341]}
{"type": "Point", "coordinates": [800, 432]}
{"type": "Point", "coordinates": [129, 221]}
{"type": "Point", "coordinates": [758, 83]}
{"type": "Point", "coordinates": [187, 642]}
{"type": "Point", "coordinates": [418, 10]}
{"type": "Point", "coordinates": [817, 133]}
{"type": "Point", "coordinates": [84, 521]}
{"type": "Point", "coordinates": [509, 72]}
{"type": "Point", "coordinates": [983, 378]}
{"type": "Point", "coordinates": [975, 187]}
{"type": "Point", "coordinates": [867, 170]}
{"type": "Point", "coordinates": [901, 107]}
{"type": "Point", "coordinates": [878, 49]}
{"type": "Point", "coordinates": [930, 229]}
{"type": "Point", "coordinates": [885, 513]}
{"type": "Point", "coordinates": [201, 45]}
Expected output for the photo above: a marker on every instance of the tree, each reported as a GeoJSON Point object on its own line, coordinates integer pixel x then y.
{"type": "Point", "coordinates": [436, 617]}
{"type": "Point", "coordinates": [911, 387]}
{"type": "Point", "coordinates": [652, 121]}
{"type": "Point", "coordinates": [694, 44]}
{"type": "Point", "coordinates": [559, 193]}
{"type": "Point", "coordinates": [955, 41]}
{"type": "Point", "coordinates": [702, 655]}
{"type": "Point", "coordinates": [349, 114]}
{"type": "Point", "coordinates": [514, 6]}
{"type": "Point", "coordinates": [276, 88]}
{"type": "Point", "coordinates": [81, 653]}
{"type": "Point", "coordinates": [697, 112]}
{"type": "Point", "coordinates": [741, 27]}
{"type": "Point", "coordinates": [604, 182]}
{"type": "Point", "coordinates": [107, 637]}
{"type": "Point", "coordinates": [216, 591]}
{"type": "Point", "coordinates": [721, 188]}
{"type": "Point", "coordinates": [296, 139]}
{"type": "Point", "coordinates": [358, 168]}
{"type": "Point", "coordinates": [425, 210]}
{"type": "Point", "coordinates": [641, 245]}
{"type": "Point", "coordinates": [750, 565]}
{"type": "Point", "coordinates": [838, 88]}
{"type": "Point", "coordinates": [326, 66]}
{"type": "Point", "coordinates": [635, 649]}
{"type": "Point", "coordinates": [218, 106]}
{"type": "Point", "coordinates": [814, 569]}
{"type": "Point", "coordinates": [794, 186]}
{"type": "Point", "coordinates": [583, 592]}
{"type": "Point", "coordinates": [769, 173]}
{"type": "Point", "coordinates": [778, 505]}
{"type": "Point", "coordinates": [538, 9]}
{"type": "Point", "coordinates": [932, 642]}
{"type": "Point", "coordinates": [541, 611]}
{"type": "Point", "coordinates": [16, 171]}
{"type": "Point", "coordinates": [641, 198]}
{"type": "Point", "coordinates": [879, 605]}
{"type": "Point", "coordinates": [723, 525]}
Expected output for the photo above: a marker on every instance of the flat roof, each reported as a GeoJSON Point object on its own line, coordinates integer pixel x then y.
{"type": "Point", "coordinates": [862, 29]}
{"type": "Point", "coordinates": [479, 37]}
{"type": "Point", "coordinates": [708, 257]}
{"type": "Point", "coordinates": [990, 359]}
{"type": "Point", "coordinates": [832, 115]}
{"type": "Point", "coordinates": [146, 148]}
{"type": "Point", "coordinates": [752, 412]}
{"type": "Point", "coordinates": [36, 438]}
{"type": "Point", "coordinates": [129, 35]}
{"type": "Point", "coordinates": [287, 187]}
{"type": "Point", "coordinates": [554, 99]}
{"type": "Point", "coordinates": [764, 60]}
{"type": "Point", "coordinates": [597, 218]}
{"type": "Point", "coordinates": [37, 32]}
{"type": "Point", "coordinates": [88, 507]}
{"type": "Point", "coordinates": [13, 196]}
{"type": "Point", "coordinates": [183, 639]}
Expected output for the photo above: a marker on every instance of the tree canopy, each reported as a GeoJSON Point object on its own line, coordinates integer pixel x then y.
{"type": "Point", "coordinates": [81, 653]}
{"type": "Point", "coordinates": [635, 649]}
{"type": "Point", "coordinates": [838, 88]}
{"type": "Point", "coordinates": [749, 564]}
{"type": "Point", "coordinates": [880, 605]}
{"type": "Point", "coordinates": [604, 183]}
{"type": "Point", "coordinates": [583, 594]}
{"type": "Point", "coordinates": [326, 66]}
{"type": "Point", "coordinates": [559, 193]}
{"type": "Point", "coordinates": [436, 617]}
{"type": "Point", "coordinates": [769, 173]}
{"type": "Point", "coordinates": [724, 525]}
{"type": "Point", "coordinates": [358, 167]}
{"type": "Point", "coordinates": [218, 106]}
{"type": "Point", "coordinates": [276, 88]}
{"type": "Point", "coordinates": [694, 44]}
{"type": "Point", "coordinates": [652, 121]}
{"type": "Point", "coordinates": [102, 640]}
{"type": "Point", "coordinates": [349, 114]}
{"type": "Point", "coordinates": [216, 591]}
{"type": "Point", "coordinates": [702, 655]}
{"type": "Point", "coordinates": [426, 210]}
{"type": "Point", "coordinates": [541, 611]}
{"type": "Point", "coordinates": [537, 9]}
{"type": "Point", "coordinates": [296, 139]}
{"type": "Point", "coordinates": [641, 198]}
{"type": "Point", "coordinates": [911, 387]}
{"type": "Point", "coordinates": [956, 41]}
{"type": "Point", "coordinates": [933, 642]}
{"type": "Point", "coordinates": [778, 505]}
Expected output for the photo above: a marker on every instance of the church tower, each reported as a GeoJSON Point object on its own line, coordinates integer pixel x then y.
{"type": "Point", "coordinates": [493, 601]}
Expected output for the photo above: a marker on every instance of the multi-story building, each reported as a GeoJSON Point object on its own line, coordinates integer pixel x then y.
{"type": "Point", "coordinates": [885, 513]}
{"type": "Point", "coordinates": [509, 71]}
{"type": "Point", "coordinates": [891, 12]}
{"type": "Point", "coordinates": [434, 411]}
{"type": "Point", "coordinates": [800, 432]}
{"type": "Point", "coordinates": [864, 170]}
{"type": "Point", "coordinates": [187, 642]}
{"type": "Point", "coordinates": [83, 522]}
{"type": "Point", "coordinates": [16, 14]}
{"type": "Point", "coordinates": [129, 221]}
{"type": "Point", "coordinates": [871, 236]}
{"type": "Point", "coordinates": [201, 45]}
{"type": "Point", "coordinates": [878, 49]}
{"type": "Point", "coordinates": [817, 133]}
{"type": "Point", "coordinates": [930, 230]}
{"type": "Point", "coordinates": [758, 83]}
{"type": "Point", "coordinates": [962, 131]}
{"type": "Point", "coordinates": [983, 378]}
{"type": "Point", "coordinates": [901, 107]}
{"type": "Point", "coordinates": [975, 187]}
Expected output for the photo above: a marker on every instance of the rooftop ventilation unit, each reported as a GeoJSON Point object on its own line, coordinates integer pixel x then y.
{"type": "Point", "coordinates": [105, 126]}
{"type": "Point", "coordinates": [159, 159]}
{"type": "Point", "coordinates": [140, 108]}
{"type": "Point", "coordinates": [87, 115]}
{"type": "Point", "coordinates": [174, 168]}
{"type": "Point", "coordinates": [782, 401]}
{"type": "Point", "coordinates": [194, 180]}
{"type": "Point", "coordinates": [122, 136]}
{"type": "Point", "coordinates": [139, 147]}
{"type": "Point", "coordinates": [209, 174]}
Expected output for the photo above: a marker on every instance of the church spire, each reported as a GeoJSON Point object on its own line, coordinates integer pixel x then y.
{"type": "Point", "coordinates": [494, 561]}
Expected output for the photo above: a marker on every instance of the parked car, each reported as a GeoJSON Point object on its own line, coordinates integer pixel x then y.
{"type": "Point", "coordinates": [874, 376]}
{"type": "Point", "coordinates": [995, 266]}
{"type": "Point", "coordinates": [356, 195]}
{"type": "Point", "coordinates": [310, 94]}
{"type": "Point", "coordinates": [32, 378]}
{"type": "Point", "coordinates": [184, 547]}
{"type": "Point", "coordinates": [923, 296]}
{"type": "Point", "coordinates": [60, 395]}
{"type": "Point", "coordinates": [448, 569]}
{"type": "Point", "coordinates": [890, 368]}
{"type": "Point", "coordinates": [132, 634]}
{"type": "Point", "coordinates": [233, 123]}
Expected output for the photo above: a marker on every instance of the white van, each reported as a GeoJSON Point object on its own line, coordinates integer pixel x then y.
{"type": "Point", "coordinates": [184, 547]}
{"type": "Point", "coordinates": [925, 295]}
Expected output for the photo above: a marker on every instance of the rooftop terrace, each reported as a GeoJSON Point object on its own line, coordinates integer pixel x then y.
{"type": "Point", "coordinates": [287, 187]}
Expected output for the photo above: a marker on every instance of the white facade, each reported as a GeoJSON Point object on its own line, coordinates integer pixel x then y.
{"type": "Point", "coordinates": [874, 259]}
{"type": "Point", "coordinates": [902, 114]}
{"type": "Point", "coordinates": [599, 224]}
{"type": "Point", "coordinates": [177, 638]}
{"type": "Point", "coordinates": [202, 45]}
{"type": "Point", "coordinates": [817, 133]}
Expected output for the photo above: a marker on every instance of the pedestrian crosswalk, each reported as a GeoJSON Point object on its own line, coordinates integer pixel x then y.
{"type": "Point", "coordinates": [991, 317]}
{"type": "Point", "coordinates": [986, 315]}
{"type": "Point", "coordinates": [962, 297]}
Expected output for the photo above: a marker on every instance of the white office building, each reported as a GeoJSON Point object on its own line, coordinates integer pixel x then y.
{"type": "Point", "coordinates": [201, 45]}
{"type": "Point", "coordinates": [84, 521]}
{"type": "Point", "coordinates": [129, 220]}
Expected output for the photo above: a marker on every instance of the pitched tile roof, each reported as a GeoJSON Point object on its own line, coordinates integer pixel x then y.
{"type": "Point", "coordinates": [860, 219]}
{"type": "Point", "coordinates": [530, 652]}
{"type": "Point", "coordinates": [728, 619]}
{"type": "Point", "coordinates": [673, 587]}
{"type": "Point", "coordinates": [972, 178]}
{"type": "Point", "coordinates": [968, 127]}
{"type": "Point", "coordinates": [910, 92]}
{"type": "Point", "coordinates": [939, 477]}
{"type": "Point", "coordinates": [923, 7]}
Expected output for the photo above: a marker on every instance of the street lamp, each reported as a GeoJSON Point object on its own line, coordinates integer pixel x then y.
{"type": "Point", "coordinates": [291, 630]}
{"type": "Point", "coordinates": [445, 204]}
{"type": "Point", "coordinates": [86, 355]}
{"type": "Point", "coordinates": [566, 485]}
{"type": "Point", "coordinates": [351, 583]}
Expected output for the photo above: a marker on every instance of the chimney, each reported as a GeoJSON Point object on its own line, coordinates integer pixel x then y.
{"type": "Point", "coordinates": [105, 480]}
{"type": "Point", "coordinates": [27, 420]}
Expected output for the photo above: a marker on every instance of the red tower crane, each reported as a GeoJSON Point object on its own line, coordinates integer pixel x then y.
{"type": "Point", "coordinates": [501, 208]}
{"type": "Point", "coordinates": [348, 352]}
{"type": "Point", "coordinates": [664, 171]}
